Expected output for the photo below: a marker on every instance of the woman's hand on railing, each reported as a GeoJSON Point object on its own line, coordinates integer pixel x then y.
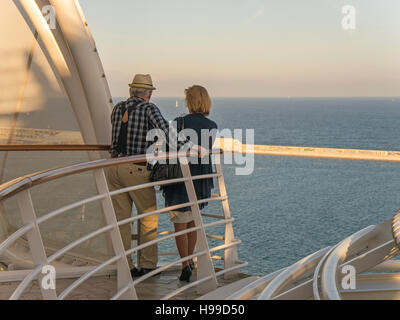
{"type": "Point", "coordinates": [202, 152]}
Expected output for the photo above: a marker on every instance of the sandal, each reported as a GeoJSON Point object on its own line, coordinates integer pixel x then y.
{"type": "Point", "coordinates": [185, 275]}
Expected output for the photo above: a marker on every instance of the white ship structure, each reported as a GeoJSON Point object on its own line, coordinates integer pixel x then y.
{"type": "Point", "coordinates": [56, 208]}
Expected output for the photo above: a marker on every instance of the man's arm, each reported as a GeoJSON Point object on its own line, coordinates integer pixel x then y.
{"type": "Point", "coordinates": [159, 122]}
{"type": "Point", "coordinates": [170, 132]}
{"type": "Point", "coordinates": [114, 125]}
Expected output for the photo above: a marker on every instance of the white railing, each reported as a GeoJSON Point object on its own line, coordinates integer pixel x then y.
{"type": "Point", "coordinates": [287, 276]}
{"type": "Point", "coordinates": [396, 228]}
{"type": "Point", "coordinates": [206, 275]}
{"type": "Point", "coordinates": [319, 276]}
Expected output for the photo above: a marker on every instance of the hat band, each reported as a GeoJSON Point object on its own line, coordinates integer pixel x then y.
{"type": "Point", "coordinates": [146, 84]}
{"type": "Point", "coordinates": [150, 86]}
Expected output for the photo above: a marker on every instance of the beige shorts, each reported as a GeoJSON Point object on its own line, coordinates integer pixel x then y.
{"type": "Point", "coordinates": [181, 217]}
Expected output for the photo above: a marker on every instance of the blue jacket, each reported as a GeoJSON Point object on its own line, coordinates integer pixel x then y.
{"type": "Point", "coordinates": [176, 193]}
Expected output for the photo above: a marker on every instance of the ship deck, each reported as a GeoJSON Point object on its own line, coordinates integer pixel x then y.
{"type": "Point", "coordinates": [105, 287]}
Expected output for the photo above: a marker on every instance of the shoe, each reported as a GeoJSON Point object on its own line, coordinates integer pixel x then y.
{"type": "Point", "coordinates": [135, 272]}
{"type": "Point", "coordinates": [186, 273]}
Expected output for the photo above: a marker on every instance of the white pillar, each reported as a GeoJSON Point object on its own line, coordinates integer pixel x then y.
{"type": "Point", "coordinates": [230, 254]}
{"type": "Point", "coordinates": [205, 265]}
{"type": "Point", "coordinates": [35, 241]}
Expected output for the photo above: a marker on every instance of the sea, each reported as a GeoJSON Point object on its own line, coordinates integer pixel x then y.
{"type": "Point", "coordinates": [290, 207]}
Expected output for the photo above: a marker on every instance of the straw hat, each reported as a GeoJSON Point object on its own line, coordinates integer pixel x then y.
{"type": "Point", "coordinates": [142, 81]}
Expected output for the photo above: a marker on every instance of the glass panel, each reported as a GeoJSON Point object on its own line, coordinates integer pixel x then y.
{"type": "Point", "coordinates": [34, 109]}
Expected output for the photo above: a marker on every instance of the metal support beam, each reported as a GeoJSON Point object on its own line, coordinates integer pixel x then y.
{"type": "Point", "coordinates": [204, 263]}
{"type": "Point", "coordinates": [230, 254]}
{"type": "Point", "coordinates": [35, 241]}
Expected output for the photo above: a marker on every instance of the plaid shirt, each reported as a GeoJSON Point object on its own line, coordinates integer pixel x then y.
{"type": "Point", "coordinates": [144, 117]}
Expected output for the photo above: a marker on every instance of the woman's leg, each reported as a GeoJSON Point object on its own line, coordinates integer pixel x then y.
{"type": "Point", "coordinates": [192, 238]}
{"type": "Point", "coordinates": [182, 242]}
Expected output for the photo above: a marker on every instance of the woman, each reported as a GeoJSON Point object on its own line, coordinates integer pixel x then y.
{"type": "Point", "coordinates": [199, 105]}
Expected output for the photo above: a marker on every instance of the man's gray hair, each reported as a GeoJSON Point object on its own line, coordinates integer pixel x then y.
{"type": "Point", "coordinates": [139, 92]}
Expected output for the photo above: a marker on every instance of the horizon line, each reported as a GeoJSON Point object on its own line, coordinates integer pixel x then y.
{"type": "Point", "coordinates": [281, 97]}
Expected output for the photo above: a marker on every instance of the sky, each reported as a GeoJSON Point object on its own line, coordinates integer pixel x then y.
{"type": "Point", "coordinates": [252, 48]}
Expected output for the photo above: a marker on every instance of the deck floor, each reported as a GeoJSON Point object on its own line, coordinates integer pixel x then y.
{"type": "Point", "coordinates": [105, 287]}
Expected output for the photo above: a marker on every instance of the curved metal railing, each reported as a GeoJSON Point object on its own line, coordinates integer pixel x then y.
{"type": "Point", "coordinates": [319, 276]}
{"type": "Point", "coordinates": [206, 275]}
{"type": "Point", "coordinates": [335, 259]}
{"type": "Point", "coordinates": [53, 147]}
{"type": "Point", "coordinates": [297, 270]}
{"type": "Point", "coordinates": [396, 228]}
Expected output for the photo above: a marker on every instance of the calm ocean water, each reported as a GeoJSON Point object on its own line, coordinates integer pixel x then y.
{"type": "Point", "coordinates": [291, 207]}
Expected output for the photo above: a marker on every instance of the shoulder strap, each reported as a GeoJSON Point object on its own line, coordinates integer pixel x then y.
{"type": "Point", "coordinates": [180, 125]}
{"type": "Point", "coordinates": [133, 106]}
{"type": "Point", "coordinates": [123, 107]}
{"type": "Point", "coordinates": [123, 134]}
{"type": "Point", "coordinates": [129, 108]}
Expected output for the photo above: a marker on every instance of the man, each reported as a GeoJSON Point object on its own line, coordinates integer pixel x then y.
{"type": "Point", "coordinates": [131, 121]}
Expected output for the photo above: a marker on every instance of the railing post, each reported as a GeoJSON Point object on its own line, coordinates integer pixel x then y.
{"type": "Point", "coordinates": [124, 277]}
{"type": "Point", "coordinates": [230, 254]}
{"type": "Point", "coordinates": [35, 241]}
{"type": "Point", "coordinates": [205, 266]}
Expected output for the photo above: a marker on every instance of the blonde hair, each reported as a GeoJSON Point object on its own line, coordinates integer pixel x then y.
{"type": "Point", "coordinates": [198, 100]}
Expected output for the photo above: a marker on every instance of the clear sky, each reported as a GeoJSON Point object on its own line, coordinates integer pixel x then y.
{"type": "Point", "coordinates": [252, 48]}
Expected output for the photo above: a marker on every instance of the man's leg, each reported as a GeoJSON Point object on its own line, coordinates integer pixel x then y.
{"type": "Point", "coordinates": [145, 201]}
{"type": "Point", "coordinates": [147, 229]}
{"type": "Point", "coordinates": [123, 207]}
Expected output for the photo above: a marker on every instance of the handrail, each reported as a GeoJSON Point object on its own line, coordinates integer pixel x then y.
{"type": "Point", "coordinates": [26, 182]}
{"type": "Point", "coordinates": [53, 147]}
{"type": "Point", "coordinates": [163, 210]}
{"type": "Point", "coordinates": [184, 288]}
{"type": "Point", "coordinates": [396, 228]}
{"type": "Point", "coordinates": [28, 279]}
{"type": "Point", "coordinates": [317, 275]}
{"type": "Point", "coordinates": [255, 287]}
{"type": "Point", "coordinates": [329, 271]}
{"type": "Point", "coordinates": [235, 146]}
{"type": "Point", "coordinates": [130, 251]}
{"type": "Point", "coordinates": [81, 240]}
{"type": "Point", "coordinates": [86, 276]}
{"type": "Point", "coordinates": [173, 235]}
{"type": "Point", "coordinates": [69, 207]}
{"type": "Point", "coordinates": [336, 257]}
{"type": "Point", "coordinates": [170, 264]}
{"type": "Point", "coordinates": [15, 236]}
{"type": "Point", "coordinates": [126, 287]}
{"type": "Point", "coordinates": [296, 270]}
{"type": "Point", "coordinates": [192, 284]}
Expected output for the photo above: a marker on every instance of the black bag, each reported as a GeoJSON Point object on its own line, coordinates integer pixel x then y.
{"type": "Point", "coordinates": [166, 171]}
{"type": "Point", "coordinates": [160, 172]}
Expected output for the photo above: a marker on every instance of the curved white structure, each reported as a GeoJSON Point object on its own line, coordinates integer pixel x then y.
{"type": "Point", "coordinates": [326, 274]}
{"type": "Point", "coordinates": [59, 95]}
{"type": "Point", "coordinates": [71, 52]}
